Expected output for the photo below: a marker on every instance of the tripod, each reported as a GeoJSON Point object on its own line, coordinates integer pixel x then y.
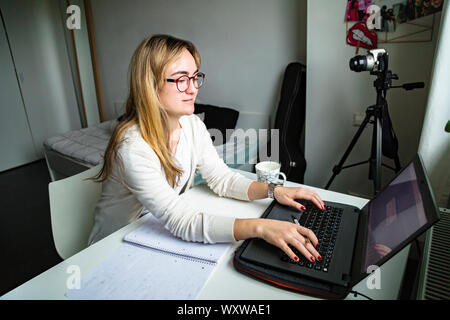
{"type": "Point", "coordinates": [378, 112]}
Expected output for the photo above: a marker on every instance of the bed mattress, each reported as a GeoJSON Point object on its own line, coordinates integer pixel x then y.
{"type": "Point", "coordinates": [85, 145]}
{"type": "Point", "coordinates": [73, 151]}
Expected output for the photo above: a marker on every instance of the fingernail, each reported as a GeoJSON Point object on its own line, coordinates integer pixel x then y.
{"type": "Point", "coordinates": [319, 258]}
{"type": "Point", "coordinates": [296, 258]}
{"type": "Point", "coordinates": [312, 259]}
{"type": "Point", "coordinates": [303, 208]}
{"type": "Point", "coordinates": [317, 246]}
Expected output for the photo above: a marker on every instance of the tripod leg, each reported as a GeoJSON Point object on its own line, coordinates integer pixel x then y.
{"type": "Point", "coordinates": [337, 169]}
{"type": "Point", "coordinates": [375, 155]}
{"type": "Point", "coordinates": [397, 163]}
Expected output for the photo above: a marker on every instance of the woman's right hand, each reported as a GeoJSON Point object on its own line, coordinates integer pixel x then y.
{"type": "Point", "coordinates": [280, 234]}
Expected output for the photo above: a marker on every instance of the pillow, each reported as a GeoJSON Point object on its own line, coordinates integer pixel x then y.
{"type": "Point", "coordinates": [201, 116]}
{"type": "Point", "coordinates": [220, 118]}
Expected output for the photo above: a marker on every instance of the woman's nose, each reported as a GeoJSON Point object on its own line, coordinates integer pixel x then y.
{"type": "Point", "coordinates": [191, 89]}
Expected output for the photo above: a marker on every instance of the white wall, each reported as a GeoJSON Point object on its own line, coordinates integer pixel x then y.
{"type": "Point", "coordinates": [245, 46]}
{"type": "Point", "coordinates": [334, 93]}
{"type": "Point", "coordinates": [435, 142]}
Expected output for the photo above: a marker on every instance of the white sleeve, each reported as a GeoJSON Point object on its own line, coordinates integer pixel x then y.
{"type": "Point", "coordinates": [219, 177]}
{"type": "Point", "coordinates": [142, 175]}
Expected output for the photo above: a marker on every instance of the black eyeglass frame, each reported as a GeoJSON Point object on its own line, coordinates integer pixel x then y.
{"type": "Point", "coordinates": [190, 78]}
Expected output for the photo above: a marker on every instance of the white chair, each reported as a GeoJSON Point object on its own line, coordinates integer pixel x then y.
{"type": "Point", "coordinates": [72, 203]}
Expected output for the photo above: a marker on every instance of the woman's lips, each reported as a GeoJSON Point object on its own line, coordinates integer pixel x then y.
{"type": "Point", "coordinates": [188, 100]}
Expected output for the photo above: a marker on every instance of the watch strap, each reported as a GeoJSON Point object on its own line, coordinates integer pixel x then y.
{"type": "Point", "coordinates": [272, 187]}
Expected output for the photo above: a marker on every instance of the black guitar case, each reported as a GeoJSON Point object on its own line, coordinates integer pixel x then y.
{"type": "Point", "coordinates": [290, 121]}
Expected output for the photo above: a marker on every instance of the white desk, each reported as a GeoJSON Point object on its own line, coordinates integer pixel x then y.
{"type": "Point", "coordinates": [225, 282]}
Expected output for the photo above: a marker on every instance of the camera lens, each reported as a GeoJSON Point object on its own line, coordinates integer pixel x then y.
{"type": "Point", "coordinates": [358, 63]}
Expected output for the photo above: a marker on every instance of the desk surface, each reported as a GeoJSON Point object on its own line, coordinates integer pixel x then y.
{"type": "Point", "coordinates": [225, 282]}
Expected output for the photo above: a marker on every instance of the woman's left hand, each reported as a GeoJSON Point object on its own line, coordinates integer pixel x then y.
{"type": "Point", "coordinates": [288, 195]}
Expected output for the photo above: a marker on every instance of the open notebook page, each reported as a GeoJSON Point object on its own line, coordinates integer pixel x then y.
{"type": "Point", "coordinates": [137, 273]}
{"type": "Point", "coordinates": [152, 234]}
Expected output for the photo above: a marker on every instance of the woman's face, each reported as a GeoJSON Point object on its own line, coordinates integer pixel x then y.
{"type": "Point", "coordinates": [178, 103]}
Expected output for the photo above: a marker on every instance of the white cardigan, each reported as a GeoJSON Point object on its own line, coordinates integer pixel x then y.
{"type": "Point", "coordinates": [142, 184]}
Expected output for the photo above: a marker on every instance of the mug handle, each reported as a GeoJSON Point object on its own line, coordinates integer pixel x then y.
{"type": "Point", "coordinates": [283, 175]}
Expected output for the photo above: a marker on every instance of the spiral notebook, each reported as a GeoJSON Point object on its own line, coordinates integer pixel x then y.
{"type": "Point", "coordinates": [151, 264]}
{"type": "Point", "coordinates": [152, 234]}
{"type": "Point", "coordinates": [138, 273]}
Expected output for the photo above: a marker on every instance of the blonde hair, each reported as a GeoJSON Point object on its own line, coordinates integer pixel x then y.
{"type": "Point", "coordinates": [143, 107]}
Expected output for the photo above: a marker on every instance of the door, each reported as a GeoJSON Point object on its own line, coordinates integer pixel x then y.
{"type": "Point", "coordinates": [16, 143]}
{"type": "Point", "coordinates": [36, 39]}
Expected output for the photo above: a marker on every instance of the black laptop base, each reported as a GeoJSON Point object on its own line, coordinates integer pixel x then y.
{"type": "Point", "coordinates": [279, 275]}
{"type": "Point", "coordinates": [282, 279]}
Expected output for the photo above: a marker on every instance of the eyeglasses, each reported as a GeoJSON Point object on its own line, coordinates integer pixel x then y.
{"type": "Point", "coordinates": [184, 81]}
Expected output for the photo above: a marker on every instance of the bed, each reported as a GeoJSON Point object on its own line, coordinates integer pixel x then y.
{"type": "Point", "coordinates": [76, 151]}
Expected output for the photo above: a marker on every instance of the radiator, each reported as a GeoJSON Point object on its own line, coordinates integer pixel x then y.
{"type": "Point", "coordinates": [435, 272]}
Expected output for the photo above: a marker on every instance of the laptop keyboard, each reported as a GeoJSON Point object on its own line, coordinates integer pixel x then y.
{"type": "Point", "coordinates": [325, 225]}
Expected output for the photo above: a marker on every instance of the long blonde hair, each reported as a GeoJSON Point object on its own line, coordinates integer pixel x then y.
{"type": "Point", "coordinates": [143, 107]}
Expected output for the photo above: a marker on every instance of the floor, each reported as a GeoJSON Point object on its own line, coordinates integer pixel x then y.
{"type": "Point", "coordinates": [26, 242]}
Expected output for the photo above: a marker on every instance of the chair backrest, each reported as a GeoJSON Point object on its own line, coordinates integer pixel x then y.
{"type": "Point", "coordinates": [72, 203]}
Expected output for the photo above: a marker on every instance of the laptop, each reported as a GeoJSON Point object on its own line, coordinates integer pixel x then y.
{"type": "Point", "coordinates": [351, 239]}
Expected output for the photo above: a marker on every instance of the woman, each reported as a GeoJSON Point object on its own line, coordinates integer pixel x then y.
{"type": "Point", "coordinates": [156, 147]}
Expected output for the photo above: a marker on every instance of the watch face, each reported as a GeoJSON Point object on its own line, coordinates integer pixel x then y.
{"type": "Point", "coordinates": [271, 188]}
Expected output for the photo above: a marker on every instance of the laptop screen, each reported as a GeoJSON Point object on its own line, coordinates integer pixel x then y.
{"type": "Point", "coordinates": [394, 215]}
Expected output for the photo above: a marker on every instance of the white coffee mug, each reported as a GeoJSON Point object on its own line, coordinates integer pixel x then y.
{"type": "Point", "coordinates": [269, 172]}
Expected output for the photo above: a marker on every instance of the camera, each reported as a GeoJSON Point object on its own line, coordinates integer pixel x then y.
{"type": "Point", "coordinates": [375, 61]}
{"type": "Point", "coordinates": [384, 141]}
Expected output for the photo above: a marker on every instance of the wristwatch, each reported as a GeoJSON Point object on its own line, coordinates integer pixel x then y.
{"type": "Point", "coordinates": [272, 187]}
